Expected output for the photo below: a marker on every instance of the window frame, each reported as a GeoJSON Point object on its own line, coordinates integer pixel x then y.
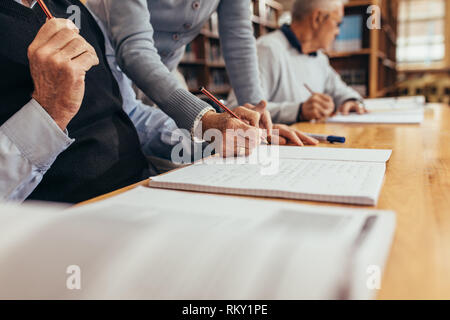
{"type": "Point", "coordinates": [445, 62]}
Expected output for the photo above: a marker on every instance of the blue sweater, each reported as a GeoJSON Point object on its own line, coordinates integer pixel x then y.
{"type": "Point", "coordinates": [150, 37]}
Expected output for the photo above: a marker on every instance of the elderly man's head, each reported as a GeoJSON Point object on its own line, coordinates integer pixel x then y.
{"type": "Point", "coordinates": [319, 19]}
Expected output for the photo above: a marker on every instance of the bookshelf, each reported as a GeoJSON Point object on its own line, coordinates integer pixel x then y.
{"type": "Point", "coordinates": [203, 64]}
{"type": "Point", "coordinates": [371, 66]}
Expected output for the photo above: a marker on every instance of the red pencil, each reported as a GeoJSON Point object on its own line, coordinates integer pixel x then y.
{"type": "Point", "coordinates": [220, 104]}
{"type": "Point", "coordinates": [45, 9]}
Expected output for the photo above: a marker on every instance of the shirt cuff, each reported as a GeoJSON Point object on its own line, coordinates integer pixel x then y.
{"type": "Point", "coordinates": [197, 132]}
{"type": "Point", "coordinates": [36, 135]}
{"type": "Point", "coordinates": [300, 113]}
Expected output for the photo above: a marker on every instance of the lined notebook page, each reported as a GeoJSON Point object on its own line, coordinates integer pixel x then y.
{"type": "Point", "coordinates": [317, 180]}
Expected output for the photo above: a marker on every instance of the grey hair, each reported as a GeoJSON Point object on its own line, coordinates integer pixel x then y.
{"type": "Point", "coordinates": [302, 8]}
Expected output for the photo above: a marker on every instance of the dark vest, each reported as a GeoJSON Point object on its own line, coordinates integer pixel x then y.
{"type": "Point", "coordinates": [106, 154]}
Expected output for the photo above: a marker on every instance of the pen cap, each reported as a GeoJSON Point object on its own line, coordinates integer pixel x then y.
{"type": "Point", "coordinates": [336, 139]}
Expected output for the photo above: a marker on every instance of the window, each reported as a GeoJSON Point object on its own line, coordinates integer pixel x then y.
{"type": "Point", "coordinates": [421, 38]}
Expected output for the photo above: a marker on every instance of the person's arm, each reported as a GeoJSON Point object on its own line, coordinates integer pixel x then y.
{"type": "Point", "coordinates": [34, 136]}
{"type": "Point", "coordinates": [239, 50]}
{"type": "Point", "coordinates": [30, 141]}
{"type": "Point", "coordinates": [337, 88]}
{"type": "Point", "coordinates": [155, 130]}
{"type": "Point", "coordinates": [129, 26]}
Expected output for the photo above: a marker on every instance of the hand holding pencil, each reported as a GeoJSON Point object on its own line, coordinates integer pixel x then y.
{"type": "Point", "coordinates": [59, 59]}
{"type": "Point", "coordinates": [318, 107]}
{"type": "Point", "coordinates": [239, 127]}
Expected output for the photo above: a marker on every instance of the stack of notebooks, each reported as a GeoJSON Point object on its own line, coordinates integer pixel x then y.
{"type": "Point", "coordinates": [162, 244]}
{"type": "Point", "coordinates": [352, 176]}
{"type": "Point", "coordinates": [405, 110]}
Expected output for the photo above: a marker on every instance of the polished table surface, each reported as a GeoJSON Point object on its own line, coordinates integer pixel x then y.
{"type": "Point", "coordinates": [417, 188]}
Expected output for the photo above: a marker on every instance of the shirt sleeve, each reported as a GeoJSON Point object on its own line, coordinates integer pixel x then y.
{"type": "Point", "coordinates": [129, 26]}
{"type": "Point", "coordinates": [155, 130]}
{"type": "Point", "coordinates": [337, 88]}
{"type": "Point", "coordinates": [239, 49]}
{"type": "Point", "coordinates": [30, 142]}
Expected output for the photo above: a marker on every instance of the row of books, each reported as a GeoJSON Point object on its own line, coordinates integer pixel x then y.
{"type": "Point", "coordinates": [191, 76]}
{"type": "Point", "coordinates": [215, 53]}
{"type": "Point", "coordinates": [351, 35]}
{"type": "Point", "coordinates": [193, 51]}
{"type": "Point", "coordinates": [219, 80]}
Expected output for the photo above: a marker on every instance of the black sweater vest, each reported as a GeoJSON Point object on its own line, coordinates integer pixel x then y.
{"type": "Point", "coordinates": [106, 154]}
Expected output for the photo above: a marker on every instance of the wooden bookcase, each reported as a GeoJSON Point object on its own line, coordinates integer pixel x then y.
{"type": "Point", "coordinates": [378, 53]}
{"type": "Point", "coordinates": [203, 64]}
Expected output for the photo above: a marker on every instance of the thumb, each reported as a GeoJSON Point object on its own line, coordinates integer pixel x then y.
{"type": "Point", "coordinates": [261, 106]}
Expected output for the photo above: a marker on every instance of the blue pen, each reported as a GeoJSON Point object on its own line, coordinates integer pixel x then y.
{"type": "Point", "coordinates": [330, 139]}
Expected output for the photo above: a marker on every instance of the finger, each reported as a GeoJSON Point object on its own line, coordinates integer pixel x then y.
{"type": "Point", "coordinates": [290, 136]}
{"type": "Point", "coordinates": [86, 61]}
{"type": "Point", "coordinates": [278, 140]}
{"type": "Point", "coordinates": [318, 111]}
{"type": "Point", "coordinates": [49, 29]}
{"type": "Point", "coordinates": [245, 114]}
{"type": "Point", "coordinates": [345, 110]}
{"type": "Point", "coordinates": [74, 49]}
{"type": "Point", "coordinates": [266, 118]}
{"type": "Point", "coordinates": [236, 145]}
{"type": "Point", "coordinates": [282, 141]}
{"type": "Point", "coordinates": [361, 109]}
{"type": "Point", "coordinates": [238, 128]}
{"type": "Point", "coordinates": [306, 139]}
{"type": "Point", "coordinates": [327, 103]}
{"type": "Point", "coordinates": [261, 106]}
{"type": "Point", "coordinates": [59, 40]}
{"type": "Point", "coordinates": [323, 97]}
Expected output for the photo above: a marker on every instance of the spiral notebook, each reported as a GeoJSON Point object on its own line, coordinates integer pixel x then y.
{"type": "Point", "coordinates": [352, 176]}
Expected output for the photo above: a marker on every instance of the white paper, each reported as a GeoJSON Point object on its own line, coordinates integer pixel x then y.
{"type": "Point", "coordinates": [337, 154]}
{"type": "Point", "coordinates": [395, 104]}
{"type": "Point", "coordinates": [158, 244]}
{"type": "Point", "coordinates": [399, 117]}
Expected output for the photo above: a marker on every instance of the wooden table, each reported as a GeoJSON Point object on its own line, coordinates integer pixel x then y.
{"type": "Point", "coordinates": [417, 188]}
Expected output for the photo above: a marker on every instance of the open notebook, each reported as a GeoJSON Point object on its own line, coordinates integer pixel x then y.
{"type": "Point", "coordinates": [162, 244]}
{"type": "Point", "coordinates": [402, 110]}
{"type": "Point", "coordinates": [353, 176]}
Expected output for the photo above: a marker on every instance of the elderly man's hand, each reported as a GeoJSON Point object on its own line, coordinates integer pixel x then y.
{"type": "Point", "coordinates": [318, 107]}
{"type": "Point", "coordinates": [59, 59]}
{"type": "Point", "coordinates": [352, 106]}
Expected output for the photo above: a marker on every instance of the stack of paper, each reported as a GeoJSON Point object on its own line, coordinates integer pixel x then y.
{"type": "Point", "coordinates": [159, 244]}
{"type": "Point", "coordinates": [404, 110]}
{"type": "Point", "coordinates": [319, 174]}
